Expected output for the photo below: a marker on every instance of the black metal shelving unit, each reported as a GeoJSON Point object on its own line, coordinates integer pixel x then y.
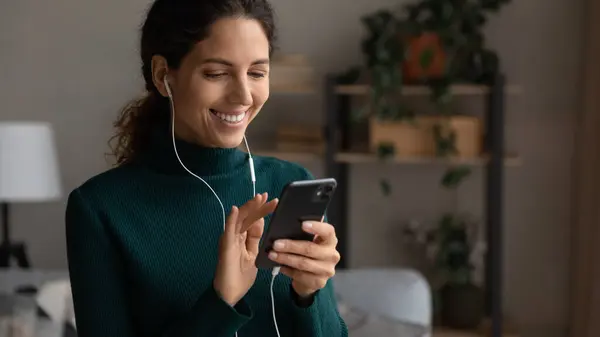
{"type": "Point", "coordinates": [336, 132]}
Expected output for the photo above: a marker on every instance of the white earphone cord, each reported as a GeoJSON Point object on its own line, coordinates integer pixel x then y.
{"type": "Point", "coordinates": [275, 271]}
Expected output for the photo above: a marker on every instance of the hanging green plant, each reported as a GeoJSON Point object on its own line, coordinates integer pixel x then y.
{"type": "Point", "coordinates": [434, 43]}
{"type": "Point", "coordinates": [454, 176]}
{"type": "Point", "coordinates": [385, 151]}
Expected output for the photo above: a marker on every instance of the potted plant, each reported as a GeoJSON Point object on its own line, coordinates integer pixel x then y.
{"type": "Point", "coordinates": [452, 246]}
{"type": "Point", "coordinates": [435, 43]}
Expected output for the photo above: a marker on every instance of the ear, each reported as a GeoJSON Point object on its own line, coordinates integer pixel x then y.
{"type": "Point", "coordinates": [160, 68]}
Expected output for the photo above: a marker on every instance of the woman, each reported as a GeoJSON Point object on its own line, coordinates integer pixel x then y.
{"type": "Point", "coordinates": [148, 254]}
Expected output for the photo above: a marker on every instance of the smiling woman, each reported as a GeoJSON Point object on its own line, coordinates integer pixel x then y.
{"type": "Point", "coordinates": [221, 85]}
{"type": "Point", "coordinates": [165, 243]}
{"type": "Point", "coordinates": [216, 68]}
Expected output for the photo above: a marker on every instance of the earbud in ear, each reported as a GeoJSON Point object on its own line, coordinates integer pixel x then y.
{"type": "Point", "coordinates": [167, 86]}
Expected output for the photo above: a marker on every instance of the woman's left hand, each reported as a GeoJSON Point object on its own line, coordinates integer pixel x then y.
{"type": "Point", "coordinates": [310, 264]}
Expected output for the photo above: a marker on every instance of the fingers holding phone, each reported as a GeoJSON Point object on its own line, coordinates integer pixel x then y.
{"type": "Point", "coordinates": [310, 264]}
{"type": "Point", "coordinates": [301, 202]}
{"type": "Point", "coordinates": [298, 240]}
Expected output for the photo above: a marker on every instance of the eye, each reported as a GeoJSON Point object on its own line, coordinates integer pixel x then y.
{"type": "Point", "coordinates": [257, 74]}
{"type": "Point", "coordinates": [214, 75]}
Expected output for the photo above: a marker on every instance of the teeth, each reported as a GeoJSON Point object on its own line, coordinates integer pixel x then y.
{"type": "Point", "coordinates": [230, 118]}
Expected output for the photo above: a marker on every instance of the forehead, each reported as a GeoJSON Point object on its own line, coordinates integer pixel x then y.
{"type": "Point", "coordinates": [240, 41]}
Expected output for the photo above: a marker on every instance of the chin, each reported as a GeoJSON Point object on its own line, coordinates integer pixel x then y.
{"type": "Point", "coordinates": [229, 141]}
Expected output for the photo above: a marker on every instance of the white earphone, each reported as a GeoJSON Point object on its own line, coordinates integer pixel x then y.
{"type": "Point", "coordinates": [275, 271]}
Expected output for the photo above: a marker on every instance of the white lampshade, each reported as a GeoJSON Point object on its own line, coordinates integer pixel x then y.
{"type": "Point", "coordinates": [28, 162]}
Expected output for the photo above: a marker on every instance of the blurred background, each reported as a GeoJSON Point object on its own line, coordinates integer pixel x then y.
{"type": "Point", "coordinates": [418, 182]}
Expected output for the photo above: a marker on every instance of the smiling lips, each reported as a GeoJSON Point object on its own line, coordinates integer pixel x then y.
{"type": "Point", "coordinates": [230, 117]}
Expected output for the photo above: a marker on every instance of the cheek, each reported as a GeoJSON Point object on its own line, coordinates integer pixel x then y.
{"type": "Point", "coordinates": [260, 94]}
{"type": "Point", "coordinates": [199, 96]}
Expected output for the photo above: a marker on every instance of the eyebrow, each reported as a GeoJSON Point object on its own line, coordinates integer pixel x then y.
{"type": "Point", "coordinates": [229, 64]}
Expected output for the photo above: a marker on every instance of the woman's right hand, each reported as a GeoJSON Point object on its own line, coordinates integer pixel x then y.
{"type": "Point", "coordinates": [238, 248]}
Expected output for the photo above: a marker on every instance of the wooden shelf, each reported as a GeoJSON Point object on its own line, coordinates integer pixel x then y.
{"type": "Point", "coordinates": [357, 158]}
{"type": "Point", "coordinates": [422, 90]}
{"type": "Point", "coordinates": [365, 158]}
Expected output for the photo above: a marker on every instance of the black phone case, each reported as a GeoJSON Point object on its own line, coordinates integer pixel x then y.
{"type": "Point", "coordinates": [305, 200]}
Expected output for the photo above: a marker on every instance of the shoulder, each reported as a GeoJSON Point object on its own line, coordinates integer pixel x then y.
{"type": "Point", "coordinates": [104, 186]}
{"type": "Point", "coordinates": [281, 169]}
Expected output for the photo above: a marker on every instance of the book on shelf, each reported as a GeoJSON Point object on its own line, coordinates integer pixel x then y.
{"type": "Point", "coordinates": [299, 138]}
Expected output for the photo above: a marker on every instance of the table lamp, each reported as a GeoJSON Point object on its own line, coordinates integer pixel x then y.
{"type": "Point", "coordinates": [28, 173]}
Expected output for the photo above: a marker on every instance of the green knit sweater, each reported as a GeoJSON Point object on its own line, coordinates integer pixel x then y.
{"type": "Point", "coordinates": [142, 249]}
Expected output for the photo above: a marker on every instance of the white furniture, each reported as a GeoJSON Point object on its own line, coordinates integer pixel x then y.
{"type": "Point", "coordinates": [53, 297]}
{"type": "Point", "coordinates": [394, 300]}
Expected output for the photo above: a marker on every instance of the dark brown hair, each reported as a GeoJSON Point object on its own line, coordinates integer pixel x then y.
{"type": "Point", "coordinates": [171, 29]}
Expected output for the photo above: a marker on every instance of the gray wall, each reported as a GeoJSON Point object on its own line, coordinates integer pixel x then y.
{"type": "Point", "coordinates": [64, 62]}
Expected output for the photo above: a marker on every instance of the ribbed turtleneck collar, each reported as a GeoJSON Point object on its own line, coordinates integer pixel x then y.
{"type": "Point", "coordinates": [203, 161]}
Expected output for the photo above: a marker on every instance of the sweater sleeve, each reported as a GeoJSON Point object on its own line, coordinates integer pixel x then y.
{"type": "Point", "coordinates": [321, 318]}
{"type": "Point", "coordinates": [100, 289]}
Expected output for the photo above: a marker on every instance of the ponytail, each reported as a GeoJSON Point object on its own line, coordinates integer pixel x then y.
{"type": "Point", "coordinates": [134, 126]}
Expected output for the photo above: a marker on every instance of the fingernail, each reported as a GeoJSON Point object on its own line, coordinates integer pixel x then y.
{"type": "Point", "coordinates": [272, 255]}
{"type": "Point", "coordinates": [307, 225]}
{"type": "Point", "coordinates": [279, 244]}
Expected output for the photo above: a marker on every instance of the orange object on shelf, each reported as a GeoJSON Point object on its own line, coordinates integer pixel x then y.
{"type": "Point", "coordinates": [429, 46]}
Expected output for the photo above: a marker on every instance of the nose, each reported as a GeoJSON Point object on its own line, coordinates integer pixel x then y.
{"type": "Point", "coordinates": [240, 93]}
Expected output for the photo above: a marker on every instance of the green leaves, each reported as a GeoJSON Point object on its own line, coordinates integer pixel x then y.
{"type": "Point", "coordinates": [440, 92]}
{"type": "Point", "coordinates": [386, 188]}
{"type": "Point", "coordinates": [454, 176]}
{"type": "Point", "coordinates": [384, 77]}
{"type": "Point", "coordinates": [445, 140]}
{"type": "Point", "coordinates": [382, 46]}
{"type": "Point", "coordinates": [459, 26]}
{"type": "Point", "coordinates": [385, 150]}
{"type": "Point", "coordinates": [426, 58]}
{"type": "Point", "coordinates": [378, 21]}
{"type": "Point", "coordinates": [454, 249]}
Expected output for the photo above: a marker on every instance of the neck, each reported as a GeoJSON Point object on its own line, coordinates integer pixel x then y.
{"type": "Point", "coordinates": [167, 157]}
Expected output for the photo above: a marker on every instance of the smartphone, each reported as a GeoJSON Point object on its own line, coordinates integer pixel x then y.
{"type": "Point", "coordinates": [305, 200]}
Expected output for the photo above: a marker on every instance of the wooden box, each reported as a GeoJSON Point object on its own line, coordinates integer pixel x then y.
{"type": "Point", "coordinates": [416, 138]}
